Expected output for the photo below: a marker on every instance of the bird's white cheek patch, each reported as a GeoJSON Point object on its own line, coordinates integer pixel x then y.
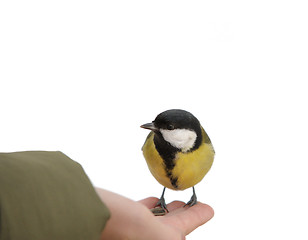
{"type": "Point", "coordinates": [183, 139]}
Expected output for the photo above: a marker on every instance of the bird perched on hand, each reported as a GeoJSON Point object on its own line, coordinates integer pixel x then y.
{"type": "Point", "coordinates": [178, 152]}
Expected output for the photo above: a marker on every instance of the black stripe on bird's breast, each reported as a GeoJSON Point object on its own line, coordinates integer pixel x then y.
{"type": "Point", "coordinates": [167, 153]}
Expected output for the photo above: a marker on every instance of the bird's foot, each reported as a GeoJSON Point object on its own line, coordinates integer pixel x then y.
{"type": "Point", "coordinates": [193, 199]}
{"type": "Point", "coordinates": [160, 208]}
{"type": "Point", "coordinates": [161, 203]}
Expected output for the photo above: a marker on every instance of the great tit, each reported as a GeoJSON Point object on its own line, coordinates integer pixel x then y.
{"type": "Point", "coordinates": [178, 152]}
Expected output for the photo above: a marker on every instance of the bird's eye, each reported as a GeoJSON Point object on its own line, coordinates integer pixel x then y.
{"type": "Point", "coordinates": [170, 127]}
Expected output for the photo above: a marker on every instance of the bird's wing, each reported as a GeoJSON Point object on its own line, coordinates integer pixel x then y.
{"type": "Point", "coordinates": [206, 138]}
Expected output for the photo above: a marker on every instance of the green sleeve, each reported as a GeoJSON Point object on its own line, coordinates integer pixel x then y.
{"type": "Point", "coordinates": [47, 196]}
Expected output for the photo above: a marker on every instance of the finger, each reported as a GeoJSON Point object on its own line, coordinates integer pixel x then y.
{"type": "Point", "coordinates": [149, 202]}
{"type": "Point", "coordinates": [188, 219]}
{"type": "Point", "coordinates": [174, 206]}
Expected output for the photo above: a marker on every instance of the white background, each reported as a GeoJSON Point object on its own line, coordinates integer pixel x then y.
{"type": "Point", "coordinates": [82, 76]}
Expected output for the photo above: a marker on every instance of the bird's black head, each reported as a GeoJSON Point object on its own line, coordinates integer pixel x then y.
{"type": "Point", "coordinates": [176, 119]}
{"type": "Point", "coordinates": [177, 127]}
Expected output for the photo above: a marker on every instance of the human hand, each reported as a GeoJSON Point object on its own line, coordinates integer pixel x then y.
{"type": "Point", "coordinates": [134, 220]}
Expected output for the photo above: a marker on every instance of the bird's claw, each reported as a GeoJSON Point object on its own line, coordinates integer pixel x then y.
{"type": "Point", "coordinates": [161, 203]}
{"type": "Point", "coordinates": [193, 200]}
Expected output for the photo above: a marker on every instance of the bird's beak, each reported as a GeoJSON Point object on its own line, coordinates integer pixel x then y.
{"type": "Point", "coordinates": [149, 126]}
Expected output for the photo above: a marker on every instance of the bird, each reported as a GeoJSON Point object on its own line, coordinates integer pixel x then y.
{"type": "Point", "coordinates": [178, 152]}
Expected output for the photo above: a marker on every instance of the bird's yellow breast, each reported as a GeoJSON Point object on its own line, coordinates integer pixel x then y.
{"type": "Point", "coordinates": [189, 169]}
